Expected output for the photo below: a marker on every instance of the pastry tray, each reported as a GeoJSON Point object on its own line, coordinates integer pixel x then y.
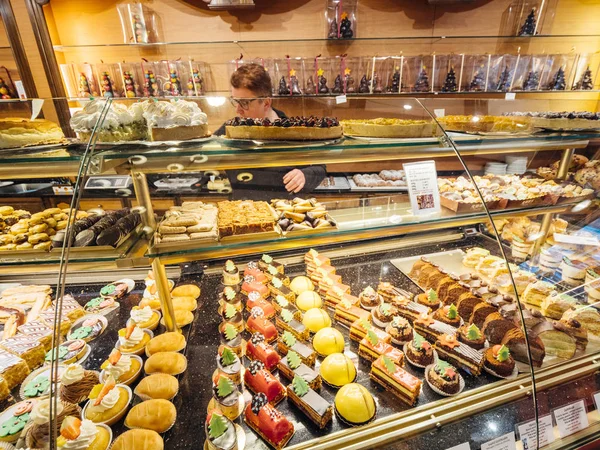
{"type": "Point", "coordinates": [341, 184]}
{"type": "Point", "coordinates": [355, 188]}
{"type": "Point", "coordinates": [250, 144]}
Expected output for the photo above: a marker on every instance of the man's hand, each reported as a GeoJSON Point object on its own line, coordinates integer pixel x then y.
{"type": "Point", "coordinates": [294, 181]}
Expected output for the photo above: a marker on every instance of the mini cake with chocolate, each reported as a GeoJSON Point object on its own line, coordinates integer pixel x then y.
{"type": "Point", "coordinates": [231, 337]}
{"type": "Point", "coordinates": [444, 377]}
{"type": "Point", "coordinates": [256, 301]}
{"type": "Point", "coordinates": [383, 314]}
{"type": "Point", "coordinates": [232, 316]}
{"type": "Point", "coordinates": [369, 298]}
{"type": "Point", "coordinates": [471, 335]}
{"type": "Point", "coordinates": [289, 342]}
{"type": "Point", "coordinates": [231, 274]}
{"type": "Point", "coordinates": [292, 365]}
{"type": "Point", "coordinates": [229, 365]}
{"type": "Point", "coordinates": [499, 360]}
{"type": "Point", "coordinates": [573, 271]}
{"type": "Point", "coordinates": [231, 296]}
{"type": "Point", "coordinates": [461, 355]}
{"type": "Point", "coordinates": [318, 410]}
{"type": "Point", "coordinates": [448, 315]}
{"type": "Point", "coordinates": [258, 379]}
{"type": "Point", "coordinates": [268, 422]}
{"type": "Point", "coordinates": [419, 351]}
{"type": "Point", "coordinates": [400, 330]}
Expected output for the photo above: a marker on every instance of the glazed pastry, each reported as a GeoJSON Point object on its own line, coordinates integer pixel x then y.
{"type": "Point", "coordinates": [144, 318]}
{"type": "Point", "coordinates": [308, 300]}
{"type": "Point", "coordinates": [347, 313]}
{"type": "Point", "coordinates": [258, 379]}
{"type": "Point", "coordinates": [358, 331]}
{"type": "Point", "coordinates": [286, 321]}
{"type": "Point", "coordinates": [157, 414]}
{"type": "Point", "coordinates": [371, 348]}
{"type": "Point", "coordinates": [84, 434]}
{"type": "Point", "coordinates": [301, 284]}
{"type": "Point", "coordinates": [460, 355]}
{"type": "Point", "coordinates": [229, 365]}
{"type": "Point", "coordinates": [429, 299]}
{"type": "Point", "coordinates": [499, 360]}
{"type": "Point", "coordinates": [125, 369]}
{"type": "Point", "coordinates": [171, 363]}
{"type": "Point", "coordinates": [166, 342]}
{"type": "Point", "coordinates": [573, 271]}
{"type": "Point", "coordinates": [288, 342]}
{"type": "Point", "coordinates": [88, 328]}
{"type": "Point", "coordinates": [68, 352]}
{"type": "Point", "coordinates": [383, 314]}
{"type": "Point", "coordinates": [432, 329]}
{"type": "Point", "coordinates": [232, 316]}
{"type": "Point", "coordinates": [108, 402]}
{"type": "Point", "coordinates": [257, 323]}
{"type": "Point", "coordinates": [444, 377]}
{"type": "Point", "coordinates": [251, 285]}
{"type": "Point", "coordinates": [258, 349]}
{"type": "Point", "coordinates": [337, 370]}
{"type": "Point", "coordinates": [448, 315]}
{"type": "Point", "coordinates": [369, 298]}
{"type": "Point", "coordinates": [26, 347]}
{"type": "Point", "coordinates": [157, 386]}
{"type": "Point", "coordinates": [268, 422]}
{"type": "Point", "coordinates": [99, 305]}
{"type": "Point", "coordinates": [399, 330]}
{"type": "Point", "coordinates": [256, 301]}
{"type": "Point", "coordinates": [318, 410]}
{"type": "Point", "coordinates": [133, 340]}
{"type": "Point", "coordinates": [186, 290]}
{"type": "Point", "coordinates": [393, 378]}
{"type": "Point", "coordinates": [327, 341]}
{"type": "Point", "coordinates": [231, 274]}
{"type": "Point", "coordinates": [471, 335]}
{"type": "Point", "coordinates": [220, 432]}
{"type": "Point", "coordinates": [13, 369]}
{"type": "Point", "coordinates": [11, 429]}
{"type": "Point", "coordinates": [292, 365]}
{"type": "Point", "coordinates": [182, 318]}
{"type": "Point", "coordinates": [76, 383]}
{"type": "Point", "coordinates": [419, 351]}
{"type": "Point", "coordinates": [134, 439]}
{"type": "Point", "coordinates": [316, 319]}
{"type": "Point", "coordinates": [354, 404]}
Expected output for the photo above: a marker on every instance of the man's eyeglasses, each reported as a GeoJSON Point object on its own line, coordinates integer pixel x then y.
{"type": "Point", "coordinates": [243, 103]}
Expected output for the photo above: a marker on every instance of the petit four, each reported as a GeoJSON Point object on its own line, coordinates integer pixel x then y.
{"type": "Point", "coordinates": [108, 402]}
{"type": "Point", "coordinates": [280, 303]}
{"type": "Point", "coordinates": [227, 396]}
{"type": "Point", "coordinates": [257, 323]}
{"type": "Point", "coordinates": [13, 369]}
{"type": "Point", "coordinates": [230, 295]}
{"type": "Point", "coordinates": [499, 361]}
{"type": "Point", "coordinates": [68, 352]}
{"type": "Point", "coordinates": [588, 317]}
{"type": "Point", "coordinates": [308, 300]}
{"type": "Point", "coordinates": [134, 439]}
{"type": "Point", "coordinates": [393, 378]}
{"type": "Point", "coordinates": [383, 314]}
{"type": "Point", "coordinates": [166, 342]}
{"type": "Point", "coordinates": [229, 365]}
{"type": "Point", "coordinates": [337, 370]}
{"type": "Point", "coordinates": [358, 331]}
{"type": "Point", "coordinates": [449, 315]}
{"type": "Point", "coordinates": [276, 287]}
{"type": "Point", "coordinates": [25, 347]}
{"type": "Point", "coordinates": [444, 377]}
{"type": "Point", "coordinates": [408, 309]}
{"type": "Point", "coordinates": [460, 355]}
{"type": "Point", "coordinates": [100, 305]}
{"type": "Point", "coordinates": [471, 335]}
{"type": "Point", "coordinates": [327, 341]}
{"type": "Point", "coordinates": [318, 410]}
{"type": "Point", "coordinates": [87, 328]}
{"type": "Point", "coordinates": [536, 292]}
{"type": "Point", "coordinates": [158, 385]}
{"type": "Point", "coordinates": [313, 260]}
{"type": "Point", "coordinates": [371, 348]}
{"type": "Point", "coordinates": [76, 383]}
{"type": "Point", "coordinates": [292, 365]}
{"type": "Point", "coordinates": [125, 369]}
{"type": "Point", "coordinates": [157, 414]}
{"type": "Point", "coordinates": [256, 301]}
{"type": "Point", "coordinates": [11, 428]}
{"type": "Point", "coordinates": [288, 342]}
{"type": "Point", "coordinates": [85, 434]}
{"type": "Point", "coordinates": [231, 274]}
{"type": "Point", "coordinates": [354, 405]}
{"type": "Point", "coordinates": [268, 422]}
{"type": "Point", "coordinates": [250, 284]}
{"type": "Point", "coordinates": [272, 273]}
{"type": "Point", "coordinates": [253, 271]}
{"type": "Point", "coordinates": [369, 298]}
{"type": "Point", "coordinates": [133, 340]}
{"type": "Point", "coordinates": [316, 319]}
{"type": "Point", "coordinates": [301, 284]}
{"type": "Point", "coordinates": [429, 299]}
{"type": "Point", "coordinates": [432, 329]}
{"type": "Point", "coordinates": [171, 363]}
{"type": "Point", "coordinates": [258, 349]}
{"type": "Point", "coordinates": [145, 317]}
{"type": "Point", "coordinates": [335, 295]}
{"type": "Point", "coordinates": [286, 321]}
{"type": "Point", "coordinates": [399, 330]}
{"type": "Point", "coordinates": [258, 379]}
{"type": "Point", "coordinates": [419, 352]}
{"type": "Point", "coordinates": [220, 432]}
{"type": "Point", "coordinates": [232, 316]}
{"type": "Point", "coordinates": [346, 313]}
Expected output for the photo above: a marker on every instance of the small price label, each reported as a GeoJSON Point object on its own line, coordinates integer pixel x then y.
{"type": "Point", "coordinates": [571, 418]}
{"type": "Point", "coordinates": [439, 112]}
{"type": "Point", "coordinates": [340, 99]}
{"type": "Point", "coordinates": [510, 96]}
{"type": "Point", "coordinates": [504, 442]}
{"type": "Point", "coordinates": [528, 432]}
{"type": "Point", "coordinates": [578, 240]}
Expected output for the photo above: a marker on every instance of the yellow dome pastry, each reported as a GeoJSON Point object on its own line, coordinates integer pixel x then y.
{"type": "Point", "coordinates": [337, 370]}
{"type": "Point", "coordinates": [186, 303]}
{"type": "Point", "coordinates": [182, 317]}
{"type": "Point", "coordinates": [145, 317]}
{"type": "Point", "coordinates": [171, 363]}
{"type": "Point", "coordinates": [108, 402]}
{"type": "Point", "coordinates": [158, 415]}
{"type": "Point", "coordinates": [186, 290]}
{"type": "Point", "coordinates": [133, 340]}
{"type": "Point", "coordinates": [316, 319]}
{"type": "Point", "coordinates": [166, 342]}
{"type": "Point", "coordinates": [328, 341]}
{"type": "Point", "coordinates": [138, 439]}
{"type": "Point", "coordinates": [308, 300]}
{"type": "Point", "coordinates": [354, 404]}
{"type": "Point", "coordinates": [157, 386]}
{"type": "Point", "coordinates": [301, 284]}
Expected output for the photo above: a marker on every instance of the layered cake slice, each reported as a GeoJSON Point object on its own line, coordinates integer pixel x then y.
{"type": "Point", "coordinates": [359, 329]}
{"type": "Point", "coordinates": [396, 380]}
{"type": "Point", "coordinates": [268, 422]}
{"type": "Point", "coordinates": [286, 321]}
{"type": "Point", "coordinates": [288, 342]}
{"type": "Point", "coordinates": [461, 355]}
{"type": "Point", "coordinates": [347, 313]}
{"type": "Point", "coordinates": [495, 327]}
{"type": "Point", "coordinates": [291, 365]}
{"type": "Point", "coordinates": [432, 329]}
{"type": "Point", "coordinates": [514, 339]}
{"type": "Point", "coordinates": [371, 348]}
{"type": "Point", "coordinates": [408, 309]}
{"type": "Point", "coordinates": [258, 349]}
{"type": "Point", "coordinates": [315, 407]}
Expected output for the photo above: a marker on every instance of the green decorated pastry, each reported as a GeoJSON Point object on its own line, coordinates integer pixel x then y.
{"type": "Point", "coordinates": [37, 387]}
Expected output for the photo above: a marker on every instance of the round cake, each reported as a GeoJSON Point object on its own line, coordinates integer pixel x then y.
{"type": "Point", "coordinates": [388, 128]}
{"type": "Point", "coordinates": [337, 370]}
{"type": "Point", "coordinates": [419, 351]}
{"type": "Point", "coordinates": [328, 341]}
{"type": "Point", "coordinates": [308, 300]}
{"type": "Point", "coordinates": [301, 284]}
{"type": "Point", "coordinates": [369, 298]}
{"type": "Point", "coordinates": [430, 299]}
{"type": "Point", "coordinates": [400, 330]}
{"type": "Point", "coordinates": [316, 319]}
{"type": "Point", "coordinates": [471, 335]}
{"type": "Point", "coordinates": [449, 315]}
{"type": "Point", "coordinates": [499, 360]}
{"type": "Point", "coordinates": [444, 377]}
{"type": "Point", "coordinates": [286, 129]}
{"type": "Point", "coordinates": [354, 404]}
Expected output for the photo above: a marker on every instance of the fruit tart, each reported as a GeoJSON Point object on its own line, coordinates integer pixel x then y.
{"type": "Point", "coordinates": [16, 417]}
{"type": "Point", "coordinates": [77, 383]}
{"type": "Point", "coordinates": [268, 422]}
{"type": "Point", "coordinates": [68, 352]}
{"type": "Point", "coordinates": [107, 402]}
{"type": "Point", "coordinates": [83, 434]}
{"type": "Point", "coordinates": [133, 339]}
{"type": "Point", "coordinates": [125, 369]}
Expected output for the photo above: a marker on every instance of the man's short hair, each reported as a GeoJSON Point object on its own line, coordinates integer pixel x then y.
{"type": "Point", "coordinates": [253, 77]}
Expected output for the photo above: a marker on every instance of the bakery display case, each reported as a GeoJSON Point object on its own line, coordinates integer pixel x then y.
{"type": "Point", "coordinates": [441, 293]}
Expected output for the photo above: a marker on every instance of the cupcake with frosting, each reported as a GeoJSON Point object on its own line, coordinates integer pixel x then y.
{"type": "Point", "coordinates": [77, 383]}
{"type": "Point", "coordinates": [37, 434]}
{"type": "Point", "coordinates": [144, 317]}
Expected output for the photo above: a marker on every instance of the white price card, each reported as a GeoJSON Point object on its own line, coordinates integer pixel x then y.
{"type": "Point", "coordinates": [528, 432]}
{"type": "Point", "coordinates": [504, 442]}
{"type": "Point", "coordinates": [571, 418]}
{"type": "Point", "coordinates": [510, 96]}
{"type": "Point", "coordinates": [340, 99]}
{"type": "Point", "coordinates": [36, 107]}
{"type": "Point", "coordinates": [597, 400]}
{"type": "Point", "coordinates": [463, 446]}
{"type": "Point", "coordinates": [20, 89]}
{"type": "Point", "coordinates": [439, 112]}
{"type": "Point", "coordinates": [421, 178]}
{"type": "Point", "coordinates": [575, 239]}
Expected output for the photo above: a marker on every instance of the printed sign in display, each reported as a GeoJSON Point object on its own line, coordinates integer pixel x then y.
{"type": "Point", "coordinates": [463, 446]}
{"type": "Point", "coordinates": [504, 442]}
{"type": "Point", "coordinates": [528, 432]}
{"type": "Point", "coordinates": [597, 400]}
{"type": "Point", "coordinates": [571, 418]}
{"type": "Point", "coordinates": [423, 190]}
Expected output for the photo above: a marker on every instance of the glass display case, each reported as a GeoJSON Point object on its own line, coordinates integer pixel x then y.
{"type": "Point", "coordinates": [432, 282]}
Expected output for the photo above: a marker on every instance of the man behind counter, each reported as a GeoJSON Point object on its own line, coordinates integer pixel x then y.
{"type": "Point", "coordinates": [251, 90]}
